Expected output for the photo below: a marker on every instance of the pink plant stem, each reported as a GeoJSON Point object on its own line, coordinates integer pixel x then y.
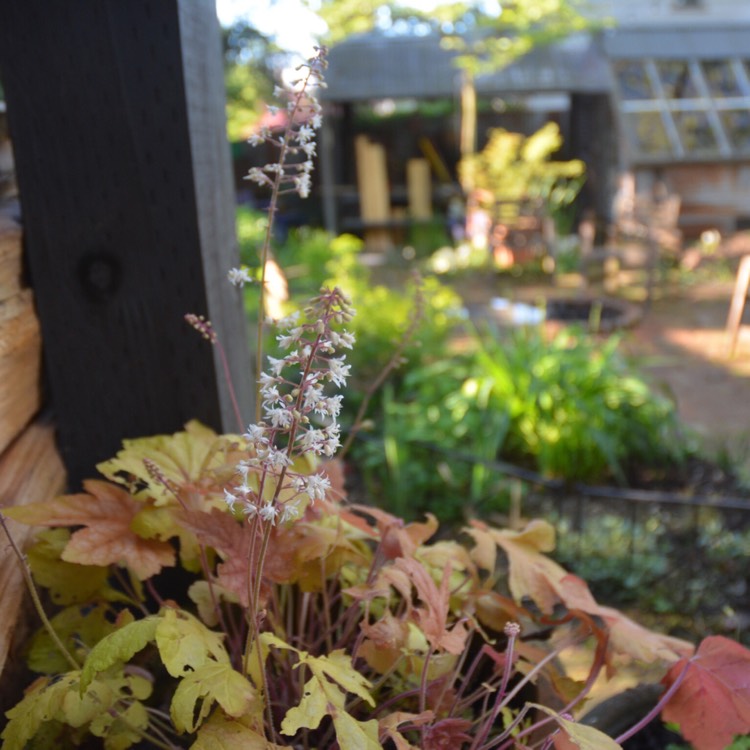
{"type": "Point", "coordinates": [230, 385]}
{"type": "Point", "coordinates": [656, 710]}
{"type": "Point", "coordinates": [490, 720]}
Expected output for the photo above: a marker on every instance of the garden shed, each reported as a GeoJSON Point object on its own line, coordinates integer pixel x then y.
{"type": "Point", "coordinates": [665, 103]}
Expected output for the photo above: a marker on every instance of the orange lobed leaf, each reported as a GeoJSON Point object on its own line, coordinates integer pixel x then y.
{"type": "Point", "coordinates": [432, 618]}
{"type": "Point", "coordinates": [398, 539]}
{"type": "Point", "coordinates": [106, 513]}
{"type": "Point", "coordinates": [532, 574]}
{"type": "Point", "coordinates": [388, 727]}
{"type": "Point", "coordinates": [712, 704]}
{"type": "Point", "coordinates": [221, 531]}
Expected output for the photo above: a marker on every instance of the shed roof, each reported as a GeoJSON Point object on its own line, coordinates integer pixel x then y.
{"type": "Point", "coordinates": [710, 40]}
{"type": "Point", "coordinates": [378, 65]}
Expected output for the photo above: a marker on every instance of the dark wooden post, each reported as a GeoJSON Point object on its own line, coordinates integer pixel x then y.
{"type": "Point", "coordinates": [116, 113]}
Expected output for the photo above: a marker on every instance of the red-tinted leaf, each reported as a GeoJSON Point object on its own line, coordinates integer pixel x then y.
{"type": "Point", "coordinates": [432, 618]}
{"type": "Point", "coordinates": [106, 514]}
{"type": "Point", "coordinates": [712, 704]}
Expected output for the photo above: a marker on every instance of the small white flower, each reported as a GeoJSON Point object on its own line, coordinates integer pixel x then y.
{"type": "Point", "coordinates": [339, 371]}
{"type": "Point", "coordinates": [245, 489]}
{"type": "Point", "coordinates": [305, 134]}
{"type": "Point", "coordinates": [249, 509]}
{"type": "Point", "coordinates": [316, 486]}
{"type": "Point", "coordinates": [309, 148]}
{"type": "Point", "coordinates": [281, 418]}
{"type": "Point", "coordinates": [312, 440]}
{"type": "Point", "coordinates": [276, 459]}
{"type": "Point", "coordinates": [256, 175]}
{"type": "Point", "coordinates": [278, 92]}
{"type": "Point", "coordinates": [239, 276]}
{"type": "Point", "coordinates": [302, 185]}
{"type": "Point", "coordinates": [313, 396]}
{"type": "Point", "coordinates": [229, 499]}
{"type": "Point", "coordinates": [316, 121]}
{"type": "Point", "coordinates": [270, 395]}
{"type": "Point", "coordinates": [268, 513]}
{"type": "Point", "coordinates": [256, 433]}
{"type": "Point", "coordinates": [276, 365]}
{"type": "Point", "coordinates": [285, 342]}
{"type": "Point", "coordinates": [289, 322]}
{"type": "Point", "coordinates": [255, 139]}
{"type": "Point", "coordinates": [344, 339]}
{"type": "Point", "coordinates": [289, 512]}
{"type": "Point", "coordinates": [332, 406]}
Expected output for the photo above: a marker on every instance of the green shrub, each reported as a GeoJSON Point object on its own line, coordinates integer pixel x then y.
{"type": "Point", "coordinates": [571, 408]}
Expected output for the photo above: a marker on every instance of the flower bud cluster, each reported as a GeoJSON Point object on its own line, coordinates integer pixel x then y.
{"type": "Point", "coordinates": [300, 418]}
{"type": "Point", "coordinates": [291, 171]}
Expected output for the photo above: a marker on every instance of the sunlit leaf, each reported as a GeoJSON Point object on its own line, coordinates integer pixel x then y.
{"type": "Point", "coordinates": [61, 700]}
{"type": "Point", "coordinates": [207, 597]}
{"type": "Point", "coordinates": [186, 644]}
{"type": "Point", "coordinates": [322, 697]}
{"type": "Point", "coordinates": [78, 627]}
{"type": "Point", "coordinates": [123, 729]}
{"type": "Point", "coordinates": [119, 647]}
{"type": "Point", "coordinates": [184, 458]}
{"type": "Point", "coordinates": [310, 711]}
{"type": "Point", "coordinates": [209, 683]}
{"type": "Point", "coordinates": [581, 735]}
{"type": "Point", "coordinates": [222, 733]}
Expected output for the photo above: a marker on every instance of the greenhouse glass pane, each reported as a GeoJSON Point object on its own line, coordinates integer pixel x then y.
{"type": "Point", "coordinates": [695, 132]}
{"type": "Point", "coordinates": [720, 78]}
{"type": "Point", "coordinates": [676, 79]}
{"type": "Point", "coordinates": [632, 80]}
{"type": "Point", "coordinates": [645, 130]}
{"type": "Point", "coordinates": [737, 127]}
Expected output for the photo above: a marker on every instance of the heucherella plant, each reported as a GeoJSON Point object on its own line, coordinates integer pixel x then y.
{"type": "Point", "coordinates": [220, 591]}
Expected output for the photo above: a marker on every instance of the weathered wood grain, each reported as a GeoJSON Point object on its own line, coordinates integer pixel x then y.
{"type": "Point", "coordinates": [31, 469]}
{"type": "Point", "coordinates": [116, 116]}
{"type": "Point", "coordinates": [20, 366]}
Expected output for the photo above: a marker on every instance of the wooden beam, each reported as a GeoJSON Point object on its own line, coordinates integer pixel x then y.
{"type": "Point", "coordinates": [116, 115]}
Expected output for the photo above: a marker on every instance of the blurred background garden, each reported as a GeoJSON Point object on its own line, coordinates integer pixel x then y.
{"type": "Point", "coordinates": [570, 191]}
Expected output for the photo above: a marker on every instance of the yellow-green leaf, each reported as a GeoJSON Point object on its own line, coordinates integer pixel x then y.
{"type": "Point", "coordinates": [223, 733]}
{"type": "Point", "coordinates": [205, 596]}
{"type": "Point", "coordinates": [186, 644]}
{"type": "Point", "coordinates": [68, 583]}
{"type": "Point", "coordinates": [42, 703]}
{"type": "Point", "coordinates": [322, 697]}
{"type": "Point", "coordinates": [338, 666]}
{"type": "Point", "coordinates": [183, 458]}
{"type": "Point", "coordinates": [78, 627]}
{"type": "Point", "coordinates": [62, 701]}
{"type": "Point", "coordinates": [311, 709]}
{"type": "Point", "coordinates": [355, 735]}
{"type": "Point", "coordinates": [212, 682]}
{"type": "Point", "coordinates": [119, 647]}
{"type": "Point", "coordinates": [585, 737]}
{"type": "Point", "coordinates": [121, 731]}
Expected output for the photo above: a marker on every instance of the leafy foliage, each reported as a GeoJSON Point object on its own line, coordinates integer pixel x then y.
{"type": "Point", "coordinates": [569, 408]}
{"type": "Point", "coordinates": [363, 612]}
{"type": "Point", "coordinates": [512, 167]}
